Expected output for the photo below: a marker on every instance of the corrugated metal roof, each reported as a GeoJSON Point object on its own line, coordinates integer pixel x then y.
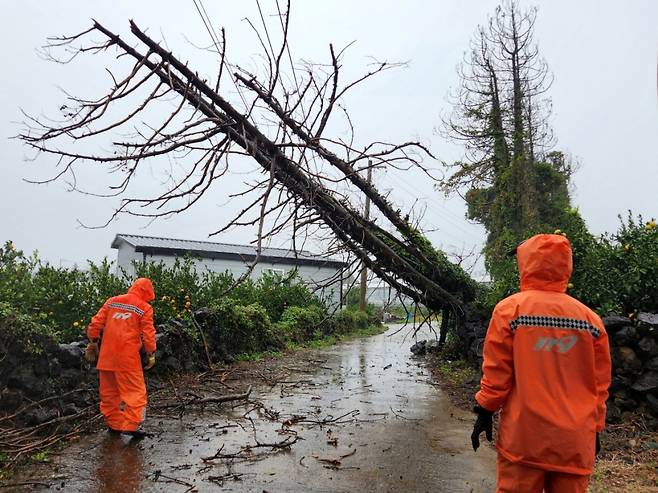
{"type": "Point", "coordinates": [208, 248]}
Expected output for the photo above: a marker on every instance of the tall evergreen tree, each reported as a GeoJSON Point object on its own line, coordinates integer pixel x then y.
{"type": "Point", "coordinates": [513, 183]}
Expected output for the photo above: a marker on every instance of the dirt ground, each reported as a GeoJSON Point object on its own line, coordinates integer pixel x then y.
{"type": "Point", "coordinates": [358, 416]}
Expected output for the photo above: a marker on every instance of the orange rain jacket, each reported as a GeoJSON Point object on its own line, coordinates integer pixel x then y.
{"type": "Point", "coordinates": [546, 365]}
{"type": "Point", "coordinates": [126, 322]}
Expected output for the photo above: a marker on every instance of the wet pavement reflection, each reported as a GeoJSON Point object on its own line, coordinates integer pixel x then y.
{"type": "Point", "coordinates": [364, 414]}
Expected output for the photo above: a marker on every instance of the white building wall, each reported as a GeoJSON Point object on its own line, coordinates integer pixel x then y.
{"type": "Point", "coordinates": [384, 295]}
{"type": "Point", "coordinates": [325, 279]}
{"type": "Point", "coordinates": [314, 276]}
{"type": "Point", "coordinates": [125, 257]}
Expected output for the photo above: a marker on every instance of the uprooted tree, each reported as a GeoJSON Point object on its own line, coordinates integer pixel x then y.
{"type": "Point", "coordinates": [279, 121]}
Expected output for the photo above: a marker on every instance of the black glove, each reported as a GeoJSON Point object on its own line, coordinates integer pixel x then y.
{"type": "Point", "coordinates": [483, 423]}
{"type": "Point", "coordinates": [598, 445]}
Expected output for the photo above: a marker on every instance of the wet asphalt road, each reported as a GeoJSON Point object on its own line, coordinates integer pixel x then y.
{"type": "Point", "coordinates": [389, 429]}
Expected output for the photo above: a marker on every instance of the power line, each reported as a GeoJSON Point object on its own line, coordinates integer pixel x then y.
{"type": "Point", "coordinates": [209, 28]}
{"type": "Point", "coordinates": [215, 39]}
{"type": "Point", "coordinates": [435, 207]}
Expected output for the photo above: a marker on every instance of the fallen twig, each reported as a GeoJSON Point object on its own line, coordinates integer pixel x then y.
{"type": "Point", "coordinates": [403, 417]}
{"type": "Point", "coordinates": [349, 454]}
{"type": "Point", "coordinates": [235, 476]}
{"type": "Point", "coordinates": [284, 444]}
{"type": "Point", "coordinates": [25, 483]}
{"type": "Point", "coordinates": [168, 479]}
{"type": "Point", "coordinates": [197, 400]}
{"type": "Point", "coordinates": [205, 344]}
{"type": "Point", "coordinates": [38, 403]}
{"type": "Point", "coordinates": [334, 461]}
{"type": "Point", "coordinates": [330, 419]}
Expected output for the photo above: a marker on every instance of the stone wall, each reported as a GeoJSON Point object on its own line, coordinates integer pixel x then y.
{"type": "Point", "coordinates": [471, 331]}
{"type": "Point", "coordinates": [634, 352]}
{"type": "Point", "coordinates": [41, 380]}
{"type": "Point", "coordinates": [40, 370]}
{"type": "Point", "coordinates": [35, 367]}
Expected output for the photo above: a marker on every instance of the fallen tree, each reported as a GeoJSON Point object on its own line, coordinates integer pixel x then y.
{"type": "Point", "coordinates": [281, 128]}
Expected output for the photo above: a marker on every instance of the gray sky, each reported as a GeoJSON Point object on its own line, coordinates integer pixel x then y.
{"type": "Point", "coordinates": [603, 54]}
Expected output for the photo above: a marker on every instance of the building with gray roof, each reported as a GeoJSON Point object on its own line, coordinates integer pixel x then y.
{"type": "Point", "coordinates": [317, 271]}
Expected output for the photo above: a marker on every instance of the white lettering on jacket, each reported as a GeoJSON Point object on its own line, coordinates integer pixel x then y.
{"type": "Point", "coordinates": [561, 344]}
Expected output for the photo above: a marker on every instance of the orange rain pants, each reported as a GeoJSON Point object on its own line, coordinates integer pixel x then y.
{"type": "Point", "coordinates": [513, 477]}
{"type": "Point", "coordinates": [123, 399]}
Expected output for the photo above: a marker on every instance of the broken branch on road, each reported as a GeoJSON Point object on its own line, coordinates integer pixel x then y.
{"type": "Point", "coordinates": [244, 452]}
{"type": "Point", "coordinates": [199, 401]}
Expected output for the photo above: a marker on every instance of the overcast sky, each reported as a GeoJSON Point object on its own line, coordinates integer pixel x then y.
{"type": "Point", "coordinates": [603, 54]}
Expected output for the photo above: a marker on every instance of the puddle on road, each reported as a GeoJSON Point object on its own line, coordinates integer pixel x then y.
{"type": "Point", "coordinates": [388, 429]}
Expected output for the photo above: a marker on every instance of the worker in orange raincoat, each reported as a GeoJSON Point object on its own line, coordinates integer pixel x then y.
{"type": "Point", "coordinates": [547, 369]}
{"type": "Point", "coordinates": [126, 324]}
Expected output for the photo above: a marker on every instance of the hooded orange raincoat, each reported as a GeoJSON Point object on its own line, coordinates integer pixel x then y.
{"type": "Point", "coordinates": [126, 323]}
{"type": "Point", "coordinates": [546, 366]}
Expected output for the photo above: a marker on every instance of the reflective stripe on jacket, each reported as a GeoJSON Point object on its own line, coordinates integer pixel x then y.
{"type": "Point", "coordinates": [546, 365]}
{"type": "Point", "coordinates": [126, 322]}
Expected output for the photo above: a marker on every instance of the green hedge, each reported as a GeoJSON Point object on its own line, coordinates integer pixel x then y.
{"type": "Point", "coordinates": [299, 324]}
{"type": "Point", "coordinates": [348, 320]}
{"type": "Point", "coordinates": [232, 327]}
{"type": "Point", "coordinates": [19, 330]}
{"type": "Point", "coordinates": [64, 299]}
{"type": "Point", "coordinates": [614, 272]}
{"type": "Point", "coordinates": [256, 315]}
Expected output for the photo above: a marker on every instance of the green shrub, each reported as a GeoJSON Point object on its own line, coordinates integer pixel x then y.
{"type": "Point", "coordinates": [619, 271]}
{"type": "Point", "coordinates": [348, 320]}
{"type": "Point", "coordinates": [58, 298]}
{"type": "Point", "coordinates": [299, 323]}
{"type": "Point", "coordinates": [62, 301]}
{"type": "Point", "coordinates": [277, 293]}
{"type": "Point", "coordinates": [19, 331]}
{"type": "Point", "coordinates": [615, 272]}
{"type": "Point", "coordinates": [179, 290]}
{"type": "Point", "coordinates": [235, 328]}
{"type": "Point", "coordinates": [176, 288]}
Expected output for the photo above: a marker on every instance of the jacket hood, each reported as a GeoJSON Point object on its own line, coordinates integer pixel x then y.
{"type": "Point", "coordinates": [143, 288]}
{"type": "Point", "coordinates": [545, 263]}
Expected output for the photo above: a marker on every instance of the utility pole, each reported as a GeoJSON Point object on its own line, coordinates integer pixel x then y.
{"type": "Point", "coordinates": [364, 271]}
